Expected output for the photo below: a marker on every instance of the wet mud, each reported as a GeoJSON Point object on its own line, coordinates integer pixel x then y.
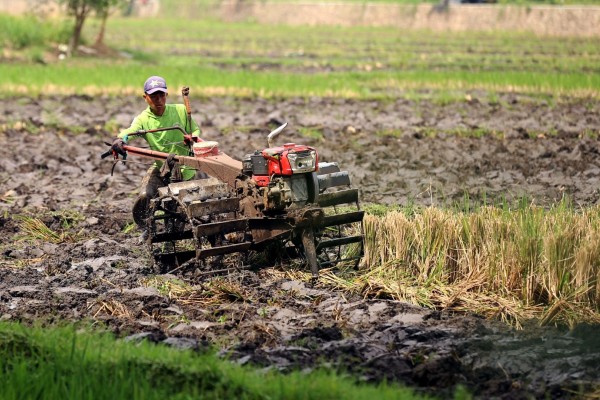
{"type": "Point", "coordinates": [398, 152]}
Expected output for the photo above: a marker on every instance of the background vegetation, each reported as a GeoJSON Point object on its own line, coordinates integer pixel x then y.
{"type": "Point", "coordinates": [357, 62]}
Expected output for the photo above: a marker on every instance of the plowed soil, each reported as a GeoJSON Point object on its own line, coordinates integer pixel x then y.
{"type": "Point", "coordinates": [396, 151]}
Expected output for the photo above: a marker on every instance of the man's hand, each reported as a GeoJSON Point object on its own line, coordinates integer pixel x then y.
{"type": "Point", "coordinates": [189, 139]}
{"type": "Point", "coordinates": [117, 147]}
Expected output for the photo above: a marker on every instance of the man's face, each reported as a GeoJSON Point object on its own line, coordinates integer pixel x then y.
{"type": "Point", "coordinates": [156, 101]}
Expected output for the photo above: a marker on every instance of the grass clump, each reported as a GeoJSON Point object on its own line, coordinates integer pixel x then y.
{"type": "Point", "coordinates": [34, 229]}
{"type": "Point", "coordinates": [55, 227]}
{"type": "Point", "coordinates": [60, 363]}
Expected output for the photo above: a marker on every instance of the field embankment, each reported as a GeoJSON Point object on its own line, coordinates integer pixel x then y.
{"type": "Point", "coordinates": [543, 20]}
{"type": "Point", "coordinates": [554, 20]}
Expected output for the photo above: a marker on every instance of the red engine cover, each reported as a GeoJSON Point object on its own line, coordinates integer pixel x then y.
{"type": "Point", "coordinates": [277, 161]}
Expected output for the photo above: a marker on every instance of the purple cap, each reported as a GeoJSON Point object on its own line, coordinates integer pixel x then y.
{"type": "Point", "coordinates": [154, 84]}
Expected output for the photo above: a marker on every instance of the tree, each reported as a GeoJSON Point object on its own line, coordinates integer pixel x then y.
{"type": "Point", "coordinates": [80, 10]}
{"type": "Point", "coordinates": [103, 12]}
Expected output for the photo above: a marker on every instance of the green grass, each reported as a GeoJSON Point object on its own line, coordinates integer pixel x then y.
{"type": "Point", "coordinates": [92, 77]}
{"type": "Point", "coordinates": [315, 133]}
{"type": "Point", "coordinates": [70, 363]}
{"type": "Point", "coordinates": [248, 59]}
{"type": "Point", "coordinates": [30, 31]}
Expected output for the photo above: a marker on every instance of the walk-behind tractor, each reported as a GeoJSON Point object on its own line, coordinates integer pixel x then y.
{"type": "Point", "coordinates": [280, 201]}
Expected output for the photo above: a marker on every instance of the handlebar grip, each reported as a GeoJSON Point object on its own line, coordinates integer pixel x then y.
{"type": "Point", "coordinates": [106, 154]}
{"type": "Point", "coordinates": [188, 107]}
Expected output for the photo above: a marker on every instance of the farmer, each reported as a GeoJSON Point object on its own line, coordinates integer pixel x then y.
{"type": "Point", "coordinates": [159, 114]}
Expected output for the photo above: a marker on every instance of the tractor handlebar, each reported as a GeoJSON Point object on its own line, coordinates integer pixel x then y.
{"type": "Point", "coordinates": [143, 132]}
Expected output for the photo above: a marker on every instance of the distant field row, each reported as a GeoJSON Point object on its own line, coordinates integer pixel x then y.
{"type": "Point", "coordinates": [360, 62]}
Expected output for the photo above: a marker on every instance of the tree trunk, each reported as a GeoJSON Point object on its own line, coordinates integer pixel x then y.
{"type": "Point", "coordinates": [80, 13]}
{"type": "Point", "coordinates": [100, 37]}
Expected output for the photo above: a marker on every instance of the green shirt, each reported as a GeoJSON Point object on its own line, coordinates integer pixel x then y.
{"type": "Point", "coordinates": [167, 141]}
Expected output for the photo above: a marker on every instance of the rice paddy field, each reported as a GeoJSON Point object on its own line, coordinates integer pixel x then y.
{"type": "Point", "coordinates": [475, 153]}
{"type": "Point", "coordinates": [361, 62]}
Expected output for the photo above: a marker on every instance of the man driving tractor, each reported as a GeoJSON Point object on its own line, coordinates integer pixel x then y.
{"type": "Point", "coordinates": [280, 196]}
{"type": "Point", "coordinates": [158, 115]}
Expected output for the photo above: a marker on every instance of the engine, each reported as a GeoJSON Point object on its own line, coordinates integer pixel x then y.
{"type": "Point", "coordinates": [285, 175]}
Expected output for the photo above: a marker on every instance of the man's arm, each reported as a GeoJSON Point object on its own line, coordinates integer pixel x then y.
{"type": "Point", "coordinates": [136, 125]}
{"type": "Point", "coordinates": [195, 129]}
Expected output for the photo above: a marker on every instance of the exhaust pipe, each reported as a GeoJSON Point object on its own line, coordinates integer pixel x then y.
{"type": "Point", "coordinates": [274, 134]}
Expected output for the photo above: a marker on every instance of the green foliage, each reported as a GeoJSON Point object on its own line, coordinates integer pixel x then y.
{"type": "Point", "coordinates": [29, 31]}
{"type": "Point", "coordinates": [65, 362]}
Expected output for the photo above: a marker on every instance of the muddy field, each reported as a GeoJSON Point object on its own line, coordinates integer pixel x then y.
{"type": "Point", "coordinates": [51, 169]}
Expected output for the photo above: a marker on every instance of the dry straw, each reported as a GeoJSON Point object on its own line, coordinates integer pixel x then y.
{"type": "Point", "coordinates": [514, 265]}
